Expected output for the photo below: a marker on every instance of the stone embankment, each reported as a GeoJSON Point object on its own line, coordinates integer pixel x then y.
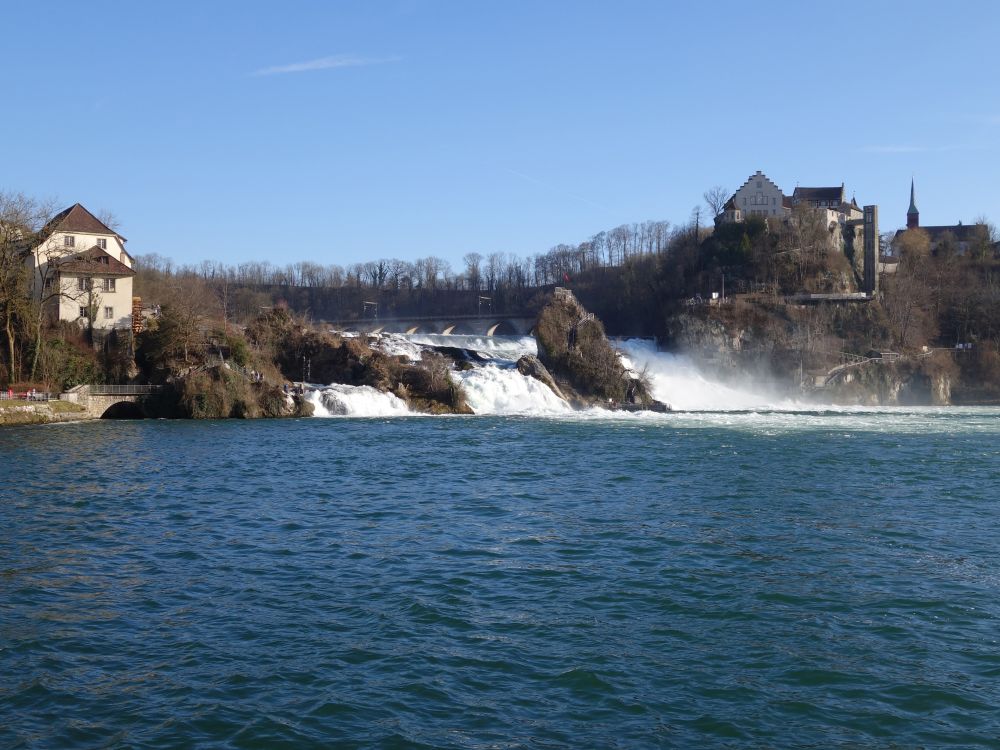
{"type": "Point", "coordinates": [46, 412]}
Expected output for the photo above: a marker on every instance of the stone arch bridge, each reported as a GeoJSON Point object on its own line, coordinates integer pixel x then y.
{"type": "Point", "coordinates": [469, 325]}
{"type": "Point", "coordinates": [111, 401]}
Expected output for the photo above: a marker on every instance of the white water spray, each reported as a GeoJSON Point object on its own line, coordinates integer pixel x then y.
{"type": "Point", "coordinates": [678, 381]}
{"type": "Point", "coordinates": [496, 347]}
{"type": "Point", "coordinates": [339, 400]}
{"type": "Point", "coordinates": [503, 390]}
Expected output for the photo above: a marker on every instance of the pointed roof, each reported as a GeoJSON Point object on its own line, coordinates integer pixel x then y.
{"type": "Point", "coordinates": [93, 261]}
{"type": "Point", "coordinates": [76, 218]}
{"type": "Point", "coordinates": [913, 203]}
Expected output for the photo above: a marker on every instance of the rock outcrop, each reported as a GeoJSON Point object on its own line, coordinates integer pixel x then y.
{"type": "Point", "coordinates": [531, 366]}
{"type": "Point", "coordinates": [580, 359]}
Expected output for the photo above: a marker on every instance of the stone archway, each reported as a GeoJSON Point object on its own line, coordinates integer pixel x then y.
{"type": "Point", "coordinates": [502, 328]}
{"type": "Point", "coordinates": [124, 410]}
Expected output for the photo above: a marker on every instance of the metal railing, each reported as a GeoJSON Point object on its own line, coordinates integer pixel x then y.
{"type": "Point", "coordinates": [9, 395]}
{"type": "Point", "coordinates": [121, 390]}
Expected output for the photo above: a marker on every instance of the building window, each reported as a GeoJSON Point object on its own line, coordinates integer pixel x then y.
{"type": "Point", "coordinates": [102, 243]}
{"type": "Point", "coordinates": [83, 312]}
{"type": "Point", "coordinates": [69, 241]}
{"type": "Point", "coordinates": [758, 183]}
{"type": "Point", "coordinates": [109, 313]}
{"type": "Point", "coordinates": [109, 285]}
{"type": "Point", "coordinates": [82, 284]}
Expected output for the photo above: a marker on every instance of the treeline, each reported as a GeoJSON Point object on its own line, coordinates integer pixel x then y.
{"type": "Point", "coordinates": [500, 283]}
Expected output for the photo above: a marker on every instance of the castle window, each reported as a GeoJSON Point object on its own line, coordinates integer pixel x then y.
{"type": "Point", "coordinates": [102, 243]}
{"type": "Point", "coordinates": [69, 241]}
{"type": "Point", "coordinates": [109, 313]}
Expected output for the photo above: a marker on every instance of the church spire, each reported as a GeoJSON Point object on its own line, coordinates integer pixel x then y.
{"type": "Point", "coordinates": [912, 214]}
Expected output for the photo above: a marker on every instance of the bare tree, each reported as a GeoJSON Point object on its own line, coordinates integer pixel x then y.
{"type": "Point", "coordinates": [716, 199]}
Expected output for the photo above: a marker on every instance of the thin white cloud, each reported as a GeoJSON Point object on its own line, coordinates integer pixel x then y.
{"type": "Point", "coordinates": [910, 149]}
{"type": "Point", "coordinates": [325, 63]}
{"type": "Point", "coordinates": [894, 149]}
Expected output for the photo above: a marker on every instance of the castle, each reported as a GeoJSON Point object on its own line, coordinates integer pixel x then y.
{"type": "Point", "coordinates": [853, 229]}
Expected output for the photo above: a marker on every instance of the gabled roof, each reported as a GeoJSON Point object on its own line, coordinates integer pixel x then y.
{"type": "Point", "coordinates": [76, 218]}
{"type": "Point", "coordinates": [811, 194]}
{"type": "Point", "coordinates": [94, 262]}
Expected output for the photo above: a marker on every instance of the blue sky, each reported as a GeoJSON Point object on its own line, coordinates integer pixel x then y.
{"type": "Point", "coordinates": [339, 132]}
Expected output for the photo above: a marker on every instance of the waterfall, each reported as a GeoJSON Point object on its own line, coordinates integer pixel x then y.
{"type": "Point", "coordinates": [339, 400]}
{"type": "Point", "coordinates": [503, 390]}
{"type": "Point", "coordinates": [678, 381]}
{"type": "Point", "coordinates": [496, 347]}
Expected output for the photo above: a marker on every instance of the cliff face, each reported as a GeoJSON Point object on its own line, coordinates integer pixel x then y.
{"type": "Point", "coordinates": [574, 349]}
{"type": "Point", "coordinates": [792, 344]}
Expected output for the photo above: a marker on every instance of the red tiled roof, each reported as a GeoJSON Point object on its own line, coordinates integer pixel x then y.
{"type": "Point", "coordinates": [93, 262]}
{"type": "Point", "coordinates": [77, 219]}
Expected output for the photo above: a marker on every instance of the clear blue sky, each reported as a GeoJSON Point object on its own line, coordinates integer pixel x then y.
{"type": "Point", "coordinates": [346, 131]}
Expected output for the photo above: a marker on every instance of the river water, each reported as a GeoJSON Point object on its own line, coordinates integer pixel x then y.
{"type": "Point", "coordinates": [795, 578]}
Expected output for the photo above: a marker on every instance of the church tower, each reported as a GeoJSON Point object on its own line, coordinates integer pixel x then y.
{"type": "Point", "coordinates": [912, 214]}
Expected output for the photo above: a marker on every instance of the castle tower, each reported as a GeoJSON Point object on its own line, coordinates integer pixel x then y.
{"type": "Point", "coordinates": [912, 214]}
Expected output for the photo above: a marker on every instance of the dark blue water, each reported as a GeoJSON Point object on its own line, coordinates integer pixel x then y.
{"type": "Point", "coordinates": [715, 581]}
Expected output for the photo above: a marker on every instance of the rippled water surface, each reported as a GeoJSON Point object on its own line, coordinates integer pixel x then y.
{"type": "Point", "coordinates": [738, 580]}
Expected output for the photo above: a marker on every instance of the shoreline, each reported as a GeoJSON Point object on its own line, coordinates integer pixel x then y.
{"type": "Point", "coordinates": [46, 412]}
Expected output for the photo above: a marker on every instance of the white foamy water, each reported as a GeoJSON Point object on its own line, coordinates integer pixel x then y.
{"type": "Point", "coordinates": [677, 381]}
{"type": "Point", "coordinates": [503, 390]}
{"type": "Point", "coordinates": [339, 400]}
{"type": "Point", "coordinates": [397, 345]}
{"type": "Point", "coordinates": [498, 347]}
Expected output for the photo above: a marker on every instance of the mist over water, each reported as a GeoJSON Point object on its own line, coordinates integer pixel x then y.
{"type": "Point", "coordinates": [679, 382]}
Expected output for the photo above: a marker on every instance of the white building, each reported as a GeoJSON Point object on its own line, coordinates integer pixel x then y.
{"type": "Point", "coordinates": [81, 270]}
{"type": "Point", "coordinates": [758, 196]}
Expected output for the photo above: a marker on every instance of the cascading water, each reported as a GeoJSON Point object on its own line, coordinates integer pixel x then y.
{"type": "Point", "coordinates": [677, 381]}
{"type": "Point", "coordinates": [339, 400]}
{"type": "Point", "coordinates": [491, 347]}
{"type": "Point", "coordinates": [493, 389]}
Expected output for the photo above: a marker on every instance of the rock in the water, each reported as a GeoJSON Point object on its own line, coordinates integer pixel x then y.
{"type": "Point", "coordinates": [530, 365]}
{"type": "Point", "coordinates": [577, 354]}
